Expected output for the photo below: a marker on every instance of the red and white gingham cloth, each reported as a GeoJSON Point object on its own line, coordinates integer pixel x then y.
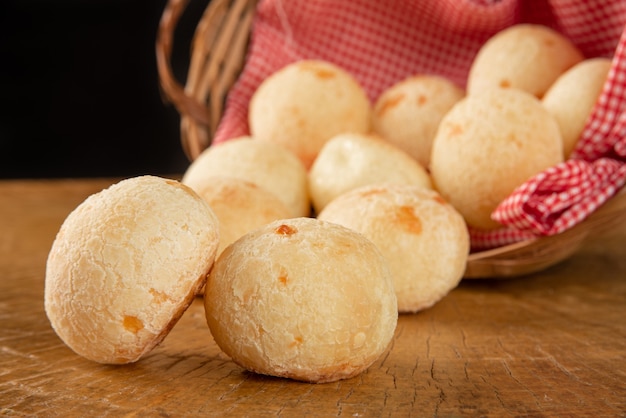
{"type": "Point", "coordinates": [381, 43]}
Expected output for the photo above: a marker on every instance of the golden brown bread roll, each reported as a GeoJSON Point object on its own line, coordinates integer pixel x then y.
{"type": "Point", "coordinates": [126, 264]}
{"type": "Point", "coordinates": [348, 161]}
{"type": "Point", "coordinates": [572, 97]}
{"type": "Point", "coordinates": [487, 145]}
{"type": "Point", "coordinates": [303, 299]}
{"type": "Point", "coordinates": [240, 207]}
{"type": "Point", "coordinates": [424, 239]}
{"type": "Point", "coordinates": [263, 163]}
{"type": "Point", "coordinates": [529, 57]}
{"type": "Point", "coordinates": [304, 104]}
{"type": "Point", "coordinates": [408, 113]}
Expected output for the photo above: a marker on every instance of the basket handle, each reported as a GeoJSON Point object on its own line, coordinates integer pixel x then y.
{"type": "Point", "coordinates": [172, 89]}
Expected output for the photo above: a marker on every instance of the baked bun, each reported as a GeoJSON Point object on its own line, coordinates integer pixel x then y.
{"type": "Point", "coordinates": [263, 163]}
{"type": "Point", "coordinates": [489, 144]}
{"type": "Point", "coordinates": [407, 114]}
{"type": "Point", "coordinates": [126, 264]}
{"type": "Point", "coordinates": [240, 207]}
{"type": "Point", "coordinates": [348, 161]}
{"type": "Point", "coordinates": [529, 57]}
{"type": "Point", "coordinates": [302, 299]}
{"type": "Point", "coordinates": [572, 97]}
{"type": "Point", "coordinates": [424, 239]}
{"type": "Point", "coordinates": [304, 104]}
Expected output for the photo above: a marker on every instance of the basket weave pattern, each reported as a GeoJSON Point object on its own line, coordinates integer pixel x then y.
{"type": "Point", "coordinates": [217, 57]}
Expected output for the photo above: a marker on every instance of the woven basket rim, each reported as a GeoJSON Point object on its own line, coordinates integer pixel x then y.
{"type": "Point", "coordinates": [218, 53]}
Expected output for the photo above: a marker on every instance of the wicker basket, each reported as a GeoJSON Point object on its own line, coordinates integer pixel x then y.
{"type": "Point", "coordinates": [217, 58]}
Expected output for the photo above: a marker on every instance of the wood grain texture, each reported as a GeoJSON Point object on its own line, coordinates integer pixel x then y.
{"type": "Point", "coordinates": [550, 344]}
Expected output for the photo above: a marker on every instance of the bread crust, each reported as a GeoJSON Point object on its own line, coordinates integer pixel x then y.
{"type": "Point", "coordinates": [302, 299]}
{"type": "Point", "coordinates": [265, 164]}
{"type": "Point", "coordinates": [240, 206]}
{"type": "Point", "coordinates": [304, 104]}
{"type": "Point", "coordinates": [126, 264]}
{"type": "Point", "coordinates": [487, 145]}
{"type": "Point", "coordinates": [349, 160]}
{"type": "Point", "coordinates": [408, 113]}
{"type": "Point", "coordinates": [573, 95]}
{"type": "Point", "coordinates": [424, 239]}
{"type": "Point", "coordinates": [528, 57]}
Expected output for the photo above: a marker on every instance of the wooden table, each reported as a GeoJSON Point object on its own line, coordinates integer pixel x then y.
{"type": "Point", "coordinates": [550, 344]}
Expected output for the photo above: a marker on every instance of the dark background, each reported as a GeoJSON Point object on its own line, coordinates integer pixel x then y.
{"type": "Point", "coordinates": [79, 88]}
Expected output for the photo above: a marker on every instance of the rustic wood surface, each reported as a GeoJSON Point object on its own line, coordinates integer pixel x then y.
{"type": "Point", "coordinates": [550, 344]}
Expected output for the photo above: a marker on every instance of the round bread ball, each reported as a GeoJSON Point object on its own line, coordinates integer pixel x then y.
{"type": "Point", "coordinates": [304, 104]}
{"type": "Point", "coordinates": [529, 57]}
{"type": "Point", "coordinates": [572, 97]}
{"type": "Point", "coordinates": [240, 207]}
{"type": "Point", "coordinates": [263, 163]}
{"type": "Point", "coordinates": [302, 299]}
{"type": "Point", "coordinates": [348, 161]}
{"type": "Point", "coordinates": [424, 239]}
{"type": "Point", "coordinates": [489, 144]}
{"type": "Point", "coordinates": [408, 113]}
{"type": "Point", "coordinates": [126, 264]}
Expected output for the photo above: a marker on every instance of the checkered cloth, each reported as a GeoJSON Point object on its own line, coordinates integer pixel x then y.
{"type": "Point", "coordinates": [381, 43]}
